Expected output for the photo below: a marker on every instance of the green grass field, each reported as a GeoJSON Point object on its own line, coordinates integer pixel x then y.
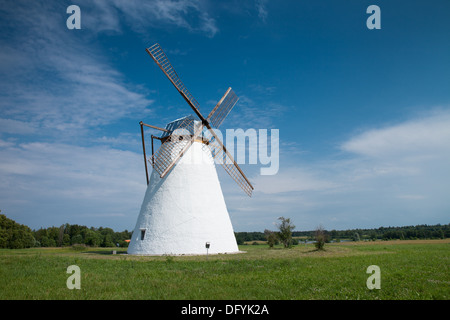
{"type": "Point", "coordinates": [409, 270]}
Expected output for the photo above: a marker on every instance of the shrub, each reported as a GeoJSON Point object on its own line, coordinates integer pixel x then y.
{"type": "Point", "coordinates": [78, 247]}
{"type": "Point", "coordinates": [320, 238]}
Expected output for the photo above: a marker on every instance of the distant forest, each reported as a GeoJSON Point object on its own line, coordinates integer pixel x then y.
{"type": "Point", "coordinates": [17, 236]}
{"type": "Point", "coordinates": [67, 235]}
{"type": "Point", "coordinates": [423, 231]}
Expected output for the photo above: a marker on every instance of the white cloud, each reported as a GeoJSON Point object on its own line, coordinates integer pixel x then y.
{"type": "Point", "coordinates": [425, 136]}
{"type": "Point", "coordinates": [96, 181]}
{"type": "Point", "coordinates": [397, 175]}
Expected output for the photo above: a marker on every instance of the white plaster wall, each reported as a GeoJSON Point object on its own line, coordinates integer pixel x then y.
{"type": "Point", "coordinates": [184, 210]}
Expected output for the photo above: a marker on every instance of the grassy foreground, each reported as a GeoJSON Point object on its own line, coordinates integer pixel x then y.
{"type": "Point", "coordinates": [409, 270]}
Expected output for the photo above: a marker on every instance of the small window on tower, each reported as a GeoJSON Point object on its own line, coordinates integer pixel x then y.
{"type": "Point", "coordinates": [142, 234]}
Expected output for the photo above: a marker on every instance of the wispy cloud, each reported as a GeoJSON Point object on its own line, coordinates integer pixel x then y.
{"type": "Point", "coordinates": [54, 80]}
{"type": "Point", "coordinates": [260, 113]}
{"type": "Point", "coordinates": [16, 127]}
{"type": "Point", "coordinates": [56, 90]}
{"type": "Point", "coordinates": [262, 9]}
{"type": "Point", "coordinates": [139, 15]}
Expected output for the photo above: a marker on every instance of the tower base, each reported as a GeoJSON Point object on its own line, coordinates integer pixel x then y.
{"type": "Point", "coordinates": [184, 211]}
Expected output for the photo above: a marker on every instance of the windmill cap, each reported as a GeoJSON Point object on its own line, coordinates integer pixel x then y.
{"type": "Point", "coordinates": [174, 125]}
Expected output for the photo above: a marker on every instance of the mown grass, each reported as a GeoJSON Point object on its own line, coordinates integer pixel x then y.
{"type": "Point", "coordinates": [409, 270]}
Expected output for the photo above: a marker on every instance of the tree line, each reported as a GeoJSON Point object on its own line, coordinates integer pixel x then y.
{"type": "Point", "coordinates": [424, 231]}
{"type": "Point", "coordinates": [67, 235]}
{"type": "Point", "coordinates": [17, 236]}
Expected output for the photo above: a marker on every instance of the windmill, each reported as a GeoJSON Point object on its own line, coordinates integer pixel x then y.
{"type": "Point", "coordinates": [183, 211]}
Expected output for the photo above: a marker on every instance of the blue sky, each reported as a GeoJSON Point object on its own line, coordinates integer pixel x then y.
{"type": "Point", "coordinates": [363, 115]}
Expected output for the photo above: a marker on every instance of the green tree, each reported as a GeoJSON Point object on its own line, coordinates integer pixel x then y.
{"type": "Point", "coordinates": [61, 235]}
{"type": "Point", "coordinates": [107, 241]}
{"type": "Point", "coordinates": [92, 238]}
{"type": "Point", "coordinates": [66, 240]}
{"type": "Point", "coordinates": [77, 239]}
{"type": "Point", "coordinates": [285, 228]}
{"type": "Point", "coordinates": [53, 235]}
{"type": "Point", "coordinates": [14, 235]}
{"type": "Point", "coordinates": [271, 238]}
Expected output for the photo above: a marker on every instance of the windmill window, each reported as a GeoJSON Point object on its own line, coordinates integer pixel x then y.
{"type": "Point", "coordinates": [142, 234]}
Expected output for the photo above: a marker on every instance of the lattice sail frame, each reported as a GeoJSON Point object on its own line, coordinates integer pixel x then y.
{"type": "Point", "coordinates": [222, 157]}
{"type": "Point", "coordinates": [223, 108]}
{"type": "Point", "coordinates": [163, 62]}
{"type": "Point", "coordinates": [173, 148]}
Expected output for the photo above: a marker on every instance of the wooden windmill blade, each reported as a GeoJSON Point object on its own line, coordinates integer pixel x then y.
{"type": "Point", "coordinates": [219, 151]}
{"type": "Point", "coordinates": [163, 62]}
{"type": "Point", "coordinates": [222, 108]}
{"type": "Point", "coordinates": [171, 151]}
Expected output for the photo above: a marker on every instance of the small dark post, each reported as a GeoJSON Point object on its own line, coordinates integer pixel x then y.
{"type": "Point", "coordinates": [143, 148]}
{"type": "Point", "coordinates": [153, 159]}
{"type": "Point", "coordinates": [207, 244]}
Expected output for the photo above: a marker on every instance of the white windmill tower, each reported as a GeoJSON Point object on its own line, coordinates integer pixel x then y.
{"type": "Point", "coordinates": [184, 211]}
